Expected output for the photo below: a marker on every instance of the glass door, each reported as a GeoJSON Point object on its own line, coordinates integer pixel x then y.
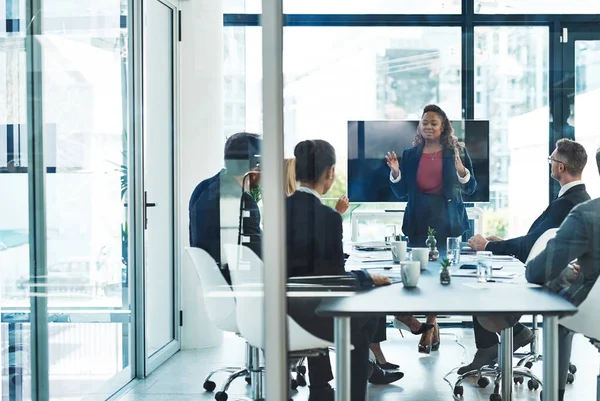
{"type": "Point", "coordinates": [581, 93]}
{"type": "Point", "coordinates": [159, 212]}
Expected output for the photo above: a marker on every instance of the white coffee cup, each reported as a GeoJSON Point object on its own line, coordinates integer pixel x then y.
{"type": "Point", "coordinates": [421, 255]}
{"type": "Point", "coordinates": [410, 272]}
{"type": "Point", "coordinates": [398, 251]}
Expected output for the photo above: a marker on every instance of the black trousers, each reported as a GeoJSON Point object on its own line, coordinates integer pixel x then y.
{"type": "Point", "coordinates": [380, 332]}
{"type": "Point", "coordinates": [486, 339]}
{"type": "Point", "coordinates": [302, 310]}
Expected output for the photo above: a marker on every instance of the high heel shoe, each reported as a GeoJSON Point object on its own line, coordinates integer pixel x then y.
{"type": "Point", "coordinates": [435, 341]}
{"type": "Point", "coordinates": [424, 328]}
{"type": "Point", "coordinates": [426, 342]}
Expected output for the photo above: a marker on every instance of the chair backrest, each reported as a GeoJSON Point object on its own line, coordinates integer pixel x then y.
{"type": "Point", "coordinates": [586, 321]}
{"type": "Point", "coordinates": [541, 243]}
{"type": "Point", "coordinates": [247, 272]}
{"type": "Point", "coordinates": [218, 296]}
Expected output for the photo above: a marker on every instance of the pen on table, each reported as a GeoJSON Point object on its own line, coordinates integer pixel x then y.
{"type": "Point", "coordinates": [377, 260]}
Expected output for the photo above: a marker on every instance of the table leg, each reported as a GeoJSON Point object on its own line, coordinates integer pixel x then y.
{"type": "Point", "coordinates": [550, 358]}
{"type": "Point", "coordinates": [506, 350]}
{"type": "Point", "coordinates": [341, 331]}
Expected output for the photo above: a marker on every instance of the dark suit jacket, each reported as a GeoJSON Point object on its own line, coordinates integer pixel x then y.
{"type": "Point", "coordinates": [206, 218]}
{"type": "Point", "coordinates": [406, 189]}
{"type": "Point", "coordinates": [196, 194]}
{"type": "Point", "coordinates": [578, 237]}
{"type": "Point", "coordinates": [314, 239]}
{"type": "Point", "coordinates": [552, 217]}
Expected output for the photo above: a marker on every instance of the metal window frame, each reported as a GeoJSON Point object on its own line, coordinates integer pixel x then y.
{"type": "Point", "coordinates": [468, 20]}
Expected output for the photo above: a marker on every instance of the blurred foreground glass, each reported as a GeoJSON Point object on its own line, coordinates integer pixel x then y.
{"type": "Point", "coordinates": [453, 249]}
{"type": "Point", "coordinates": [484, 266]}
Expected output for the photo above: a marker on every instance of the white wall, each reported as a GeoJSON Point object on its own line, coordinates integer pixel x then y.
{"type": "Point", "coordinates": [201, 143]}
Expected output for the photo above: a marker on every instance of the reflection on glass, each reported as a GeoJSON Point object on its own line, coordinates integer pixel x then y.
{"type": "Point", "coordinates": [84, 58]}
{"type": "Point", "coordinates": [537, 7]}
{"type": "Point", "coordinates": [583, 116]}
{"type": "Point", "coordinates": [350, 6]}
{"type": "Point", "coordinates": [511, 91]}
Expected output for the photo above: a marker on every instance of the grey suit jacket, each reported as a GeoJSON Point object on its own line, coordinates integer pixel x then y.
{"type": "Point", "coordinates": [577, 238]}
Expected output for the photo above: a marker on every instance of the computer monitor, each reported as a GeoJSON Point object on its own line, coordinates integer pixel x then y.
{"type": "Point", "coordinates": [369, 141]}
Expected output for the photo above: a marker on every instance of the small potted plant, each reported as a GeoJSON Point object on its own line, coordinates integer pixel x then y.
{"type": "Point", "coordinates": [431, 243]}
{"type": "Point", "coordinates": [445, 276]}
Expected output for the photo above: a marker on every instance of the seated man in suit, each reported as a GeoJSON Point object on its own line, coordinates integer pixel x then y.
{"type": "Point", "coordinates": [204, 184]}
{"type": "Point", "coordinates": [577, 238]}
{"type": "Point", "coordinates": [215, 214]}
{"type": "Point", "coordinates": [314, 248]}
{"type": "Point", "coordinates": [567, 163]}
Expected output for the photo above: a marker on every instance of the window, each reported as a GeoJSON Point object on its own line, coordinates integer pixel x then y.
{"type": "Point", "coordinates": [514, 98]}
{"type": "Point", "coordinates": [537, 7]}
{"type": "Point", "coordinates": [350, 6]}
{"type": "Point", "coordinates": [333, 75]}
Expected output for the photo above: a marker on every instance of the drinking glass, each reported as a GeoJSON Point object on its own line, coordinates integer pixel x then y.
{"type": "Point", "coordinates": [453, 249]}
{"type": "Point", "coordinates": [484, 266]}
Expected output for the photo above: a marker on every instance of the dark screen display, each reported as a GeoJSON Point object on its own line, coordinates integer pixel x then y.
{"type": "Point", "coordinates": [369, 141]}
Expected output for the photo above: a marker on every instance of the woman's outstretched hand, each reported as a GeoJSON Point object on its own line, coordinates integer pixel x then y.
{"type": "Point", "coordinates": [342, 204]}
{"type": "Point", "coordinates": [460, 168]}
{"type": "Point", "coordinates": [392, 161]}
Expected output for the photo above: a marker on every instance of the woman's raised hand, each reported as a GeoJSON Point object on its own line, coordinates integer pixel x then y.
{"type": "Point", "coordinates": [392, 161]}
{"type": "Point", "coordinates": [460, 168]}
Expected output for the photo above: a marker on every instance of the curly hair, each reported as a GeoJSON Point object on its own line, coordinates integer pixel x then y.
{"type": "Point", "coordinates": [447, 139]}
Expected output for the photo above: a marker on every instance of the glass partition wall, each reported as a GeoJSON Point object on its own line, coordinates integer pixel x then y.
{"type": "Point", "coordinates": [66, 215]}
{"type": "Point", "coordinates": [520, 71]}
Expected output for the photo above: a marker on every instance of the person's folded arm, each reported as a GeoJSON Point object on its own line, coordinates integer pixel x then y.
{"type": "Point", "coordinates": [571, 241]}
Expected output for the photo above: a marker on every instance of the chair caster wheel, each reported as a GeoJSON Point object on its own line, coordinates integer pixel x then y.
{"type": "Point", "coordinates": [532, 384]}
{"type": "Point", "coordinates": [572, 368]}
{"type": "Point", "coordinates": [248, 380]}
{"type": "Point", "coordinates": [495, 397]}
{"type": "Point", "coordinates": [294, 384]}
{"type": "Point", "coordinates": [209, 386]}
{"type": "Point", "coordinates": [301, 369]}
{"type": "Point", "coordinates": [301, 380]}
{"type": "Point", "coordinates": [529, 365]}
{"type": "Point", "coordinates": [483, 382]}
{"type": "Point", "coordinates": [570, 378]}
{"type": "Point", "coordinates": [221, 396]}
{"type": "Point", "coordinates": [459, 391]}
{"type": "Point", "coordinates": [518, 380]}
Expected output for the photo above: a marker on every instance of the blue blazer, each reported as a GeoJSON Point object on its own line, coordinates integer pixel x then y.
{"type": "Point", "coordinates": [406, 188]}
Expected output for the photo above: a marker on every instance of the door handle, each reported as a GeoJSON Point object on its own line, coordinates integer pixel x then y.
{"type": "Point", "coordinates": [146, 206]}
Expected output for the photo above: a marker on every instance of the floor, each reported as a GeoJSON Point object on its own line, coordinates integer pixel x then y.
{"type": "Point", "coordinates": [182, 377]}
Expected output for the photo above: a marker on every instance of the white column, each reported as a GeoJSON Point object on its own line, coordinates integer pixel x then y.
{"type": "Point", "coordinates": [201, 143]}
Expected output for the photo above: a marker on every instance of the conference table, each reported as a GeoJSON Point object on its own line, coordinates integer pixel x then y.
{"type": "Point", "coordinates": [506, 294]}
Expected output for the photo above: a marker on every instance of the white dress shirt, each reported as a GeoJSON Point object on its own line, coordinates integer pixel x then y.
{"type": "Point", "coordinates": [309, 191]}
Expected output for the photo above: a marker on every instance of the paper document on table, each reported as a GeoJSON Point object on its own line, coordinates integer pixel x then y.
{"type": "Point", "coordinates": [481, 286]}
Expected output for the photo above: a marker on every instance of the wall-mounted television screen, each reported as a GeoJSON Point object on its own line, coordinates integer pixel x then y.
{"type": "Point", "coordinates": [369, 141]}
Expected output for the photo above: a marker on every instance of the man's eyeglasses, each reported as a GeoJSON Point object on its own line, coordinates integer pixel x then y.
{"type": "Point", "coordinates": [550, 160]}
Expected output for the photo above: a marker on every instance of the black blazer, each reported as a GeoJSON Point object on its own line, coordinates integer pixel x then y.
{"type": "Point", "coordinates": [406, 188]}
{"type": "Point", "coordinates": [205, 220]}
{"type": "Point", "coordinates": [314, 239]}
{"type": "Point", "coordinates": [194, 198]}
{"type": "Point", "coordinates": [552, 217]}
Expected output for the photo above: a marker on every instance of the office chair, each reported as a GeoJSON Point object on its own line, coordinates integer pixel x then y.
{"type": "Point", "coordinates": [246, 271]}
{"type": "Point", "coordinates": [585, 321]}
{"type": "Point", "coordinates": [221, 312]}
{"type": "Point", "coordinates": [526, 361]}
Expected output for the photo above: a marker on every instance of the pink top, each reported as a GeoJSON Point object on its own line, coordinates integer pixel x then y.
{"type": "Point", "coordinates": [429, 174]}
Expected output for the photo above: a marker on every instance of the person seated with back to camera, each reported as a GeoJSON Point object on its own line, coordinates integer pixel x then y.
{"type": "Point", "coordinates": [415, 326]}
{"type": "Point", "coordinates": [567, 163]}
{"type": "Point", "coordinates": [314, 248]}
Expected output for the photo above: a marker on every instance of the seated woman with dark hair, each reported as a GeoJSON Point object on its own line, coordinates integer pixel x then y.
{"type": "Point", "coordinates": [314, 248]}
